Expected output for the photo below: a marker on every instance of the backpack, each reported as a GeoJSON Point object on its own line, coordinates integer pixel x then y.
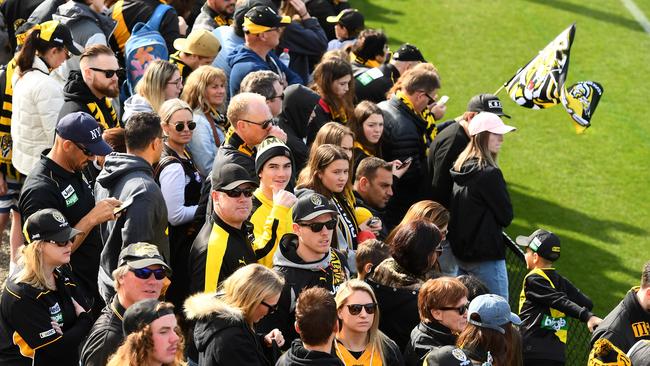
{"type": "Point", "coordinates": [144, 46]}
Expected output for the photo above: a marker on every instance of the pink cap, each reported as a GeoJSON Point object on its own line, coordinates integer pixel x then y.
{"type": "Point", "coordinates": [486, 121]}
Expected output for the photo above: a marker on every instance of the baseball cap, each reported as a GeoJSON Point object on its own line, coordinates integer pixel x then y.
{"type": "Point", "coordinates": [310, 206]}
{"type": "Point", "coordinates": [263, 18]}
{"type": "Point", "coordinates": [82, 128]}
{"type": "Point", "coordinates": [408, 52]}
{"type": "Point", "coordinates": [200, 42]}
{"type": "Point", "coordinates": [140, 255]}
{"type": "Point", "coordinates": [447, 356]}
{"type": "Point", "coordinates": [351, 19]}
{"type": "Point", "coordinates": [230, 176]}
{"type": "Point", "coordinates": [241, 8]}
{"type": "Point", "coordinates": [268, 149]}
{"type": "Point", "coordinates": [48, 224]}
{"type": "Point", "coordinates": [494, 312]}
{"type": "Point", "coordinates": [142, 313]}
{"type": "Point", "coordinates": [55, 32]}
{"type": "Point", "coordinates": [486, 121]}
{"type": "Point", "coordinates": [486, 103]}
{"type": "Point", "coordinates": [544, 243]}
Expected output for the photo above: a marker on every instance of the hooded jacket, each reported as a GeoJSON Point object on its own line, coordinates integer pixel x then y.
{"type": "Point", "coordinates": [79, 98]}
{"type": "Point", "coordinates": [243, 61]}
{"type": "Point", "coordinates": [481, 208]}
{"type": "Point", "coordinates": [424, 338]}
{"type": "Point", "coordinates": [298, 103]}
{"type": "Point", "coordinates": [221, 333]}
{"type": "Point", "coordinates": [128, 176]}
{"type": "Point", "coordinates": [86, 25]}
{"type": "Point", "coordinates": [298, 355]}
{"type": "Point", "coordinates": [627, 324]}
{"type": "Point", "coordinates": [135, 103]}
{"type": "Point", "coordinates": [329, 272]}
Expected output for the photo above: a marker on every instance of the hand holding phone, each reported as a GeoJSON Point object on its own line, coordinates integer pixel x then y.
{"type": "Point", "coordinates": [443, 100]}
{"type": "Point", "coordinates": [126, 203]}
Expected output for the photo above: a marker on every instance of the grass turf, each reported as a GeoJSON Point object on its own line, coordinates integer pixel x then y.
{"type": "Point", "coordinates": [591, 189]}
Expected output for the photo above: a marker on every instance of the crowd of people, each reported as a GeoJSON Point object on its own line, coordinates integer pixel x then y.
{"type": "Point", "coordinates": [261, 197]}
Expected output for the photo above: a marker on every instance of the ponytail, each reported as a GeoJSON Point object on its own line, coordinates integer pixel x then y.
{"type": "Point", "coordinates": [33, 43]}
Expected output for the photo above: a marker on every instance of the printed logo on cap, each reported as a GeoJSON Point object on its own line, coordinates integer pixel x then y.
{"type": "Point", "coordinates": [145, 250]}
{"type": "Point", "coordinates": [494, 104]}
{"type": "Point", "coordinates": [459, 354]}
{"type": "Point", "coordinates": [534, 244]}
{"type": "Point", "coordinates": [316, 200]}
{"type": "Point", "coordinates": [59, 217]}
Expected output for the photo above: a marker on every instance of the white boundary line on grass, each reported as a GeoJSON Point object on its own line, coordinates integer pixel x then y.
{"type": "Point", "coordinates": [638, 14]}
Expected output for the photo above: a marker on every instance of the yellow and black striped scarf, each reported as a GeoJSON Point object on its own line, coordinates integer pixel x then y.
{"type": "Point", "coordinates": [96, 112]}
{"type": "Point", "coordinates": [426, 115]}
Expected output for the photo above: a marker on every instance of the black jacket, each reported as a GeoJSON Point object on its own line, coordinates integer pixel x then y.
{"type": "Point", "coordinates": [403, 138]}
{"type": "Point", "coordinates": [105, 336]}
{"type": "Point", "coordinates": [480, 208]}
{"type": "Point", "coordinates": [234, 150]}
{"type": "Point", "coordinates": [320, 116]}
{"type": "Point", "coordinates": [297, 355]}
{"type": "Point", "coordinates": [305, 41]}
{"type": "Point", "coordinates": [16, 12]}
{"type": "Point", "coordinates": [79, 98]}
{"type": "Point", "coordinates": [424, 338]}
{"type": "Point", "coordinates": [443, 152]}
{"type": "Point", "coordinates": [298, 103]}
{"type": "Point", "coordinates": [627, 324]}
{"type": "Point", "coordinates": [373, 84]}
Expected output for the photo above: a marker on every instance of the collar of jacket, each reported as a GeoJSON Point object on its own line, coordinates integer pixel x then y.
{"type": "Point", "coordinates": [233, 139]}
{"type": "Point", "coordinates": [246, 227]}
{"type": "Point", "coordinates": [402, 101]}
{"type": "Point", "coordinates": [55, 168]}
{"type": "Point", "coordinates": [117, 308]}
{"type": "Point", "coordinates": [337, 116]}
{"type": "Point", "coordinates": [362, 61]}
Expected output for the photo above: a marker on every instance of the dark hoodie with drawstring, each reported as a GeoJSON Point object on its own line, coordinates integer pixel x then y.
{"type": "Point", "coordinates": [481, 208]}
{"type": "Point", "coordinates": [128, 176]}
{"type": "Point", "coordinates": [328, 272]}
{"type": "Point", "coordinates": [298, 355]}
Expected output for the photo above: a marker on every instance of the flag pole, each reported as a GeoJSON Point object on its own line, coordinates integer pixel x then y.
{"type": "Point", "coordinates": [499, 90]}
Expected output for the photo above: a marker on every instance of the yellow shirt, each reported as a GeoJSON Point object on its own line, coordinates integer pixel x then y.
{"type": "Point", "coordinates": [369, 357]}
{"type": "Point", "coordinates": [264, 212]}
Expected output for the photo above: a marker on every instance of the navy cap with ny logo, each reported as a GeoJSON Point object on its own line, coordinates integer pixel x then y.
{"type": "Point", "coordinates": [83, 129]}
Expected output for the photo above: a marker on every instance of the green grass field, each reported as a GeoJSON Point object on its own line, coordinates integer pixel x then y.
{"type": "Point", "coordinates": [591, 189]}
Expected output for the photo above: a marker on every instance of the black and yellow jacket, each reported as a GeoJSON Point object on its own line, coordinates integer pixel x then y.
{"type": "Point", "coordinates": [269, 222]}
{"type": "Point", "coordinates": [546, 300]}
{"type": "Point", "coordinates": [26, 315]}
{"type": "Point", "coordinates": [7, 91]}
{"type": "Point", "coordinates": [209, 19]}
{"type": "Point", "coordinates": [78, 98]}
{"type": "Point", "coordinates": [234, 150]}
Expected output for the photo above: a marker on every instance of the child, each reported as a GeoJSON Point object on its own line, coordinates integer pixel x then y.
{"type": "Point", "coordinates": [544, 328]}
{"type": "Point", "coordinates": [347, 26]}
{"type": "Point", "coordinates": [368, 256]}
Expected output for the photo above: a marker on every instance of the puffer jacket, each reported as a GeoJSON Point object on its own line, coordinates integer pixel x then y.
{"type": "Point", "coordinates": [37, 100]}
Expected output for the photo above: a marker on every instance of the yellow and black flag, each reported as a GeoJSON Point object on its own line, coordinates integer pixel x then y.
{"type": "Point", "coordinates": [580, 100]}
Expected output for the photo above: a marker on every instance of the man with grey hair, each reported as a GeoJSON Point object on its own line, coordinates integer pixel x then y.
{"type": "Point", "coordinates": [267, 84]}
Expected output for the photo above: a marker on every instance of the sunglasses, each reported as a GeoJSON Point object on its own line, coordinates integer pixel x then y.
{"type": "Point", "coordinates": [237, 192]}
{"type": "Point", "coordinates": [109, 73]}
{"type": "Point", "coordinates": [60, 244]}
{"type": "Point", "coordinates": [272, 308]}
{"type": "Point", "coordinates": [355, 309]}
{"type": "Point", "coordinates": [318, 226]}
{"type": "Point", "coordinates": [83, 149]}
{"type": "Point", "coordinates": [264, 125]}
{"type": "Point", "coordinates": [461, 309]}
{"type": "Point", "coordinates": [145, 273]}
{"type": "Point", "coordinates": [180, 125]}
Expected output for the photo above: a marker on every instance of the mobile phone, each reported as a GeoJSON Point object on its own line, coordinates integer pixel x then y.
{"type": "Point", "coordinates": [443, 100]}
{"type": "Point", "coordinates": [126, 203]}
{"type": "Point", "coordinates": [408, 160]}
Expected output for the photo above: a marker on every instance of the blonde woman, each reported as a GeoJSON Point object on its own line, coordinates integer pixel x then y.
{"type": "Point", "coordinates": [160, 82]}
{"type": "Point", "coordinates": [41, 318]}
{"type": "Point", "coordinates": [359, 340]}
{"type": "Point", "coordinates": [205, 92]}
{"type": "Point", "coordinates": [224, 332]}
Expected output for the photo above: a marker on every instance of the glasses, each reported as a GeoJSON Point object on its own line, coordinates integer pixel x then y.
{"type": "Point", "coordinates": [461, 309]}
{"type": "Point", "coordinates": [272, 308]}
{"type": "Point", "coordinates": [177, 82]}
{"type": "Point", "coordinates": [237, 192]}
{"type": "Point", "coordinates": [109, 73]}
{"type": "Point", "coordinates": [145, 273]}
{"type": "Point", "coordinates": [264, 125]}
{"type": "Point", "coordinates": [180, 125]}
{"type": "Point", "coordinates": [429, 98]}
{"type": "Point", "coordinates": [281, 96]}
{"type": "Point", "coordinates": [318, 226]}
{"type": "Point", "coordinates": [83, 149]}
{"type": "Point", "coordinates": [355, 309]}
{"type": "Point", "coordinates": [60, 244]}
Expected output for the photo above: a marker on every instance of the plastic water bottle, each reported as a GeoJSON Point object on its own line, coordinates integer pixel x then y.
{"type": "Point", "coordinates": [284, 57]}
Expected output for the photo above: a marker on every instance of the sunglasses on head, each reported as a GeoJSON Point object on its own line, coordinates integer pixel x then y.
{"type": "Point", "coordinates": [272, 308]}
{"type": "Point", "coordinates": [109, 73]}
{"type": "Point", "coordinates": [145, 273]}
{"type": "Point", "coordinates": [318, 226]}
{"type": "Point", "coordinates": [264, 124]}
{"type": "Point", "coordinates": [461, 309]}
{"type": "Point", "coordinates": [355, 309]}
{"type": "Point", "coordinates": [59, 243]}
{"type": "Point", "coordinates": [237, 192]}
{"type": "Point", "coordinates": [180, 125]}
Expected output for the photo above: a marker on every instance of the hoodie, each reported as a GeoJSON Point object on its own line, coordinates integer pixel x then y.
{"type": "Point", "coordinates": [481, 209]}
{"type": "Point", "coordinates": [86, 25]}
{"type": "Point", "coordinates": [124, 177]}
{"type": "Point", "coordinates": [135, 103]}
{"type": "Point", "coordinates": [298, 355]}
{"type": "Point", "coordinates": [298, 103]}
{"type": "Point", "coordinates": [329, 272]}
{"type": "Point", "coordinates": [78, 98]}
{"type": "Point", "coordinates": [221, 333]}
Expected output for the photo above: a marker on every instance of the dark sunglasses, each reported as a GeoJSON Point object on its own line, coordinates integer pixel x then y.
{"type": "Point", "coordinates": [272, 308]}
{"type": "Point", "coordinates": [355, 309]}
{"type": "Point", "coordinates": [237, 192]}
{"type": "Point", "coordinates": [83, 149]}
{"type": "Point", "coordinates": [318, 226]}
{"type": "Point", "coordinates": [59, 243]}
{"type": "Point", "coordinates": [264, 125]}
{"type": "Point", "coordinates": [145, 273]}
{"type": "Point", "coordinates": [109, 73]}
{"type": "Point", "coordinates": [180, 125]}
{"type": "Point", "coordinates": [461, 309]}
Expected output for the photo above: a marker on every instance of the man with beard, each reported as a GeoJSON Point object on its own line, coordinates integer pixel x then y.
{"type": "Point", "coordinates": [90, 89]}
{"type": "Point", "coordinates": [215, 13]}
{"type": "Point", "coordinates": [56, 182]}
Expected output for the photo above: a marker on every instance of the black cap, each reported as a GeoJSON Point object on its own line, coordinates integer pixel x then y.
{"type": "Point", "coordinates": [447, 356]}
{"type": "Point", "coordinates": [82, 128]}
{"type": "Point", "coordinates": [263, 18]}
{"type": "Point", "coordinates": [544, 243]}
{"type": "Point", "coordinates": [408, 52]}
{"type": "Point", "coordinates": [141, 255]}
{"type": "Point", "coordinates": [351, 19]}
{"type": "Point", "coordinates": [310, 206]}
{"type": "Point", "coordinates": [230, 176]}
{"type": "Point", "coordinates": [59, 34]}
{"type": "Point", "coordinates": [241, 8]}
{"type": "Point", "coordinates": [142, 313]}
{"type": "Point", "coordinates": [48, 224]}
{"type": "Point", "coordinates": [268, 149]}
{"type": "Point", "coordinates": [486, 103]}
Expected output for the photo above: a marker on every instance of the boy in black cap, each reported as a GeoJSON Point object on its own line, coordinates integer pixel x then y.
{"type": "Point", "coordinates": [347, 26]}
{"type": "Point", "coordinates": [545, 301]}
